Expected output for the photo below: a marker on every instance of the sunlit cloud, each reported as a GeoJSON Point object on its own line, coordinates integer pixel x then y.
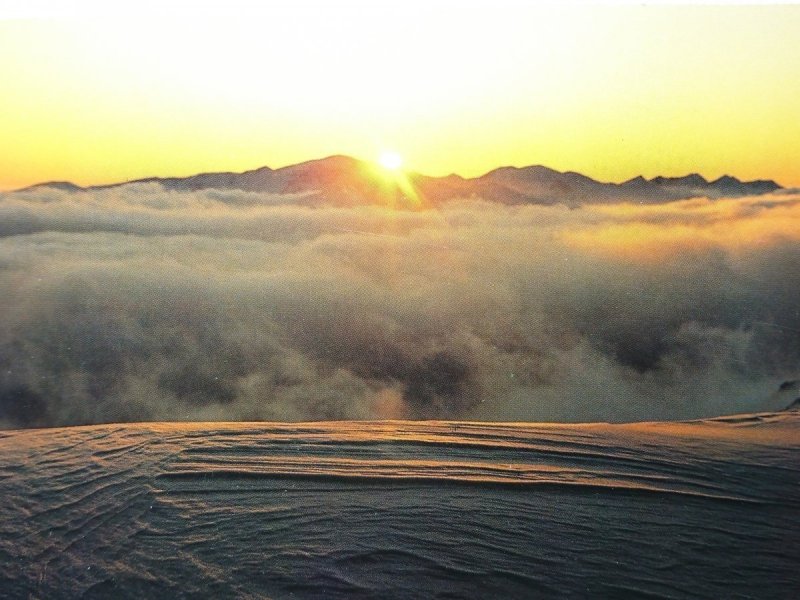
{"type": "Point", "coordinates": [653, 232]}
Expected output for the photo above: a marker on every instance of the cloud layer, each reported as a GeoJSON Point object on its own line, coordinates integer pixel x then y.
{"type": "Point", "coordinates": [137, 303]}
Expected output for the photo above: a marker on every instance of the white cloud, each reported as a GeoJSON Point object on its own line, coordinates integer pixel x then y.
{"type": "Point", "coordinates": [139, 303]}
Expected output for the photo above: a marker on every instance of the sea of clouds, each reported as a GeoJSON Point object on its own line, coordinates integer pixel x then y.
{"type": "Point", "coordinates": [138, 303]}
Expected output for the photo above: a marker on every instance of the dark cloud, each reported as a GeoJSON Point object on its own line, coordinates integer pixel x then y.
{"type": "Point", "coordinates": [145, 304]}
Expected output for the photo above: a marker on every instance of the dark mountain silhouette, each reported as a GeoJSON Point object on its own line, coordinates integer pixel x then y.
{"type": "Point", "coordinates": [66, 186]}
{"type": "Point", "coordinates": [346, 181]}
{"type": "Point", "coordinates": [730, 186]}
{"type": "Point", "coordinates": [692, 180]}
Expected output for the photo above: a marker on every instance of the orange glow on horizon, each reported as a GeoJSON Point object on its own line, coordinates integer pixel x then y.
{"type": "Point", "coordinates": [653, 233]}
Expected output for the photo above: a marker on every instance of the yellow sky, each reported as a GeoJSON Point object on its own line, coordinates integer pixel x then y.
{"type": "Point", "coordinates": [611, 92]}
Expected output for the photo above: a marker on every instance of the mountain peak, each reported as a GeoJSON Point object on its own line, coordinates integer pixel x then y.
{"type": "Point", "coordinates": [529, 170]}
{"type": "Point", "coordinates": [334, 160]}
{"type": "Point", "coordinates": [691, 180]}
{"type": "Point", "coordinates": [726, 180]}
{"type": "Point", "coordinates": [66, 186]}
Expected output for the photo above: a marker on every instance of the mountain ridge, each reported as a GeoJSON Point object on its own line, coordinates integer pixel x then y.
{"type": "Point", "coordinates": [344, 180]}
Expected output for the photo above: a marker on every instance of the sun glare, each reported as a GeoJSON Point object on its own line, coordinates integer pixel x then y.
{"type": "Point", "coordinates": [390, 160]}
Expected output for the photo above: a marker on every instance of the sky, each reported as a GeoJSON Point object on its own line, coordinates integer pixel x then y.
{"type": "Point", "coordinates": [609, 91]}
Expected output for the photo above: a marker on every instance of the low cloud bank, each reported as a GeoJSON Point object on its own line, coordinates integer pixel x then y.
{"type": "Point", "coordinates": [138, 303]}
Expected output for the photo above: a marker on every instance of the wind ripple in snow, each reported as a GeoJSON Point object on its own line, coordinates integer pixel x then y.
{"type": "Point", "coordinates": [403, 509]}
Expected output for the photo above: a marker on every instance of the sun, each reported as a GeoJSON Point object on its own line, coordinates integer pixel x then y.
{"type": "Point", "coordinates": [390, 160]}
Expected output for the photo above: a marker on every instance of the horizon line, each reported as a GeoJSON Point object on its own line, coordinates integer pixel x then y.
{"type": "Point", "coordinates": [375, 162]}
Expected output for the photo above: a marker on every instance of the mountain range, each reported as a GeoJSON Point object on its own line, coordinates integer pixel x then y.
{"type": "Point", "coordinates": [346, 181]}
